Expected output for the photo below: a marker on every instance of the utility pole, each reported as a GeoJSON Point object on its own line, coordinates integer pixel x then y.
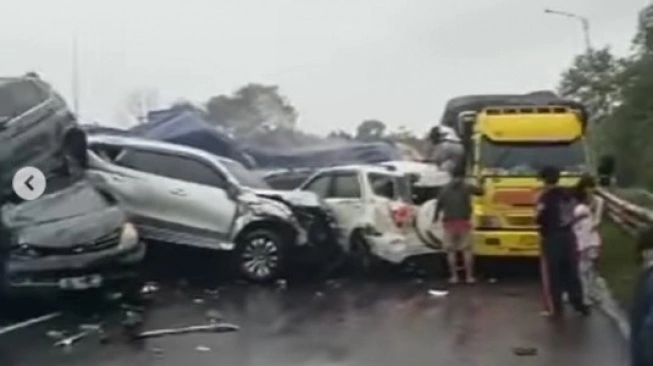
{"type": "Point", "coordinates": [585, 23]}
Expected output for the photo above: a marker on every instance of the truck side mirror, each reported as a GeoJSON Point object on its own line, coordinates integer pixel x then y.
{"type": "Point", "coordinates": [606, 169]}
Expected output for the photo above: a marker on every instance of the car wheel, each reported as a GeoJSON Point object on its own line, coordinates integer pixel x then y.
{"type": "Point", "coordinates": [260, 255]}
{"type": "Point", "coordinates": [364, 259]}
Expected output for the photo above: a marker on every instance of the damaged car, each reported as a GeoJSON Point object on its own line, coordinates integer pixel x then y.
{"type": "Point", "coordinates": [375, 213]}
{"type": "Point", "coordinates": [182, 195]}
{"type": "Point", "coordinates": [73, 237]}
{"type": "Point", "coordinates": [34, 124]}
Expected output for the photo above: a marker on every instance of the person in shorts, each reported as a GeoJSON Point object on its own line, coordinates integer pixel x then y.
{"type": "Point", "coordinates": [454, 206]}
{"type": "Point", "coordinates": [588, 243]}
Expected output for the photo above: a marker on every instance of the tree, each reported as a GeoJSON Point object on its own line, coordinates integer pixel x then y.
{"type": "Point", "coordinates": [594, 80]}
{"type": "Point", "coordinates": [340, 134]}
{"type": "Point", "coordinates": [250, 108]}
{"type": "Point", "coordinates": [370, 130]}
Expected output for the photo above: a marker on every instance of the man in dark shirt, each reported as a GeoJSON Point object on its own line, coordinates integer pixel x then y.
{"type": "Point", "coordinates": [555, 209]}
{"type": "Point", "coordinates": [641, 316]}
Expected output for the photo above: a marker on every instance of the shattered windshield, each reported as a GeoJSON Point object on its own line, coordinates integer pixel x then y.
{"type": "Point", "coordinates": [527, 159]}
{"type": "Point", "coordinates": [244, 176]}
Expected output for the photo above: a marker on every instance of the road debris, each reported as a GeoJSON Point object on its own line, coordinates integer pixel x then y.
{"type": "Point", "coordinates": [492, 280]}
{"type": "Point", "coordinates": [55, 334]}
{"type": "Point", "coordinates": [213, 293]}
{"type": "Point", "coordinates": [214, 315]}
{"type": "Point", "coordinates": [199, 301]}
{"type": "Point", "coordinates": [203, 349]}
{"type": "Point", "coordinates": [524, 351]}
{"type": "Point", "coordinates": [27, 323]}
{"type": "Point", "coordinates": [115, 296]}
{"type": "Point", "coordinates": [149, 288]}
{"type": "Point", "coordinates": [207, 328]}
{"type": "Point", "coordinates": [319, 294]}
{"type": "Point", "coordinates": [69, 341]}
{"type": "Point", "coordinates": [282, 283]}
{"type": "Point", "coordinates": [438, 293]}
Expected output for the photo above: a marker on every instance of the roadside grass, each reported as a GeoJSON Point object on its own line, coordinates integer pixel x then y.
{"type": "Point", "coordinates": [618, 263]}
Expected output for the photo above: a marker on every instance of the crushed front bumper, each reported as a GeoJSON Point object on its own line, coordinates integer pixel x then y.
{"type": "Point", "coordinates": [75, 272]}
{"type": "Point", "coordinates": [396, 248]}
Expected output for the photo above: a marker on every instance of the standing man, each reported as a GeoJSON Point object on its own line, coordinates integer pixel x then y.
{"type": "Point", "coordinates": [455, 206]}
{"type": "Point", "coordinates": [555, 216]}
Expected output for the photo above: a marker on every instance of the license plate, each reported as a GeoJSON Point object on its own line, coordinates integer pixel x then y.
{"type": "Point", "coordinates": [81, 283]}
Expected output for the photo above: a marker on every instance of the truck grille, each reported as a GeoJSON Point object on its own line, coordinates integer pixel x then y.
{"type": "Point", "coordinates": [528, 221]}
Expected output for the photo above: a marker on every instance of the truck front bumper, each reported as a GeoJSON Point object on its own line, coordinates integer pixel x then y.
{"type": "Point", "coordinates": [504, 243]}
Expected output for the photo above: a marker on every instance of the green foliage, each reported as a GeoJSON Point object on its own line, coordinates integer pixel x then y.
{"type": "Point", "coordinates": [617, 92]}
{"type": "Point", "coordinates": [250, 108]}
{"type": "Point", "coordinates": [370, 130]}
{"type": "Point", "coordinates": [618, 264]}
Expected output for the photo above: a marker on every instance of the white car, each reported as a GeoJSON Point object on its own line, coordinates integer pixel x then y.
{"type": "Point", "coordinates": [373, 208]}
{"type": "Point", "coordinates": [186, 196]}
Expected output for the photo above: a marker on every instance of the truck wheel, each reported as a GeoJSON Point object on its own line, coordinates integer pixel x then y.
{"type": "Point", "coordinates": [260, 255]}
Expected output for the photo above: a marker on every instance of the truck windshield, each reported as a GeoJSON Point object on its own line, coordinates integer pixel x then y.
{"type": "Point", "coordinates": [527, 159]}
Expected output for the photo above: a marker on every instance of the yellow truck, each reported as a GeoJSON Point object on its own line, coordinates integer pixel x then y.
{"type": "Point", "coordinates": [507, 140]}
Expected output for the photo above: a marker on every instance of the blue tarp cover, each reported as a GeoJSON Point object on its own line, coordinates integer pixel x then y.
{"type": "Point", "coordinates": [186, 128]}
{"type": "Point", "coordinates": [330, 154]}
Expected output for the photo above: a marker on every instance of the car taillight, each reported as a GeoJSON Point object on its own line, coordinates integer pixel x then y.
{"type": "Point", "coordinates": [402, 214]}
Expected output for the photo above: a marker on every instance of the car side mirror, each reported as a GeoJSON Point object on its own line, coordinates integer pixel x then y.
{"type": "Point", "coordinates": [233, 191]}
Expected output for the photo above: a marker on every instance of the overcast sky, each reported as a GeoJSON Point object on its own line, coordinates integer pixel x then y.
{"type": "Point", "coordinates": [338, 61]}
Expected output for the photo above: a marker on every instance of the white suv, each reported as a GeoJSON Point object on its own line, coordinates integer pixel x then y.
{"type": "Point", "coordinates": [186, 196]}
{"type": "Point", "coordinates": [374, 210]}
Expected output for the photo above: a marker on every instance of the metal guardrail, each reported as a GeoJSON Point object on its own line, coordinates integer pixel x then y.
{"type": "Point", "coordinates": [630, 217]}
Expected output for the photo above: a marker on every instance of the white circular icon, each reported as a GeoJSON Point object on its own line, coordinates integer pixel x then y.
{"type": "Point", "coordinates": [29, 183]}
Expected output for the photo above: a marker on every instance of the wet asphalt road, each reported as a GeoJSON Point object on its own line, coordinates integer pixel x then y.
{"type": "Point", "coordinates": [390, 321]}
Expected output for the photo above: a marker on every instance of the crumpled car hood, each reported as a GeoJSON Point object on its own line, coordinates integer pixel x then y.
{"type": "Point", "coordinates": [295, 197]}
{"type": "Point", "coordinates": [72, 216]}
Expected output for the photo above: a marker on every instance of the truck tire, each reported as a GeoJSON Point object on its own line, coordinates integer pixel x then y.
{"type": "Point", "coordinates": [260, 255]}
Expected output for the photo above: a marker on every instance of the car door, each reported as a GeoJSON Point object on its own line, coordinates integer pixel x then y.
{"type": "Point", "coordinates": [133, 176]}
{"type": "Point", "coordinates": [342, 191]}
{"type": "Point", "coordinates": [198, 191]}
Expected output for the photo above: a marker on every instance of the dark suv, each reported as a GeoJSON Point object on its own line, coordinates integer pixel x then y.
{"type": "Point", "coordinates": [35, 124]}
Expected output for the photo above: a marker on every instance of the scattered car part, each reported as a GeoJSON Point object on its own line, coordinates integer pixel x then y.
{"type": "Point", "coordinates": [208, 328]}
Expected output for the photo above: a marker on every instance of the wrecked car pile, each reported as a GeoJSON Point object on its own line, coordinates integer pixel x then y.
{"type": "Point", "coordinates": [180, 181]}
{"type": "Point", "coordinates": [74, 236]}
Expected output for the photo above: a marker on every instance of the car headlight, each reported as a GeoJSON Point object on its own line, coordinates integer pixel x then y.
{"type": "Point", "coordinates": [488, 222]}
{"type": "Point", "coordinates": [23, 252]}
{"type": "Point", "coordinates": [129, 233]}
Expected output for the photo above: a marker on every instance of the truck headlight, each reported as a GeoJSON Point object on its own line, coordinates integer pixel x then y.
{"type": "Point", "coordinates": [129, 233]}
{"type": "Point", "coordinates": [488, 222]}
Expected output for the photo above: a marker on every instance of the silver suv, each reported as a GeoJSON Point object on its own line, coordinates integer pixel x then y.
{"type": "Point", "coordinates": [187, 196]}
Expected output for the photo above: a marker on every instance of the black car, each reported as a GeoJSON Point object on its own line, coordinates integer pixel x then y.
{"type": "Point", "coordinates": [75, 237]}
{"type": "Point", "coordinates": [35, 127]}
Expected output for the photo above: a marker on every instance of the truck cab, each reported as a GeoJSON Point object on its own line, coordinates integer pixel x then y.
{"type": "Point", "coordinates": [506, 149]}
